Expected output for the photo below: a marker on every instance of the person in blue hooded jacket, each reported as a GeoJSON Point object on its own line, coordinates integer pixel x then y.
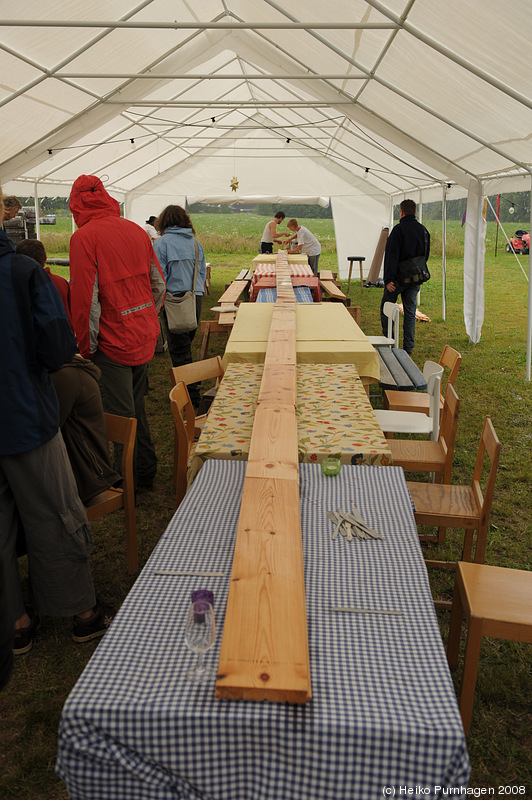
{"type": "Point", "coordinates": [175, 251]}
{"type": "Point", "coordinates": [38, 493]}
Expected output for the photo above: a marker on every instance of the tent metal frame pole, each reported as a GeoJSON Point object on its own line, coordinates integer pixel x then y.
{"type": "Point", "coordinates": [226, 103]}
{"type": "Point", "coordinates": [478, 235]}
{"type": "Point", "coordinates": [529, 316]}
{"type": "Point", "coordinates": [206, 76]}
{"type": "Point", "coordinates": [200, 26]}
{"type": "Point", "coordinates": [37, 210]}
{"type": "Point", "coordinates": [420, 219]}
{"type": "Point", "coordinates": [444, 252]}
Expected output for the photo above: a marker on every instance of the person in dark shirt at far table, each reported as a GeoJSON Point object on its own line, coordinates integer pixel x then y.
{"type": "Point", "coordinates": [407, 240]}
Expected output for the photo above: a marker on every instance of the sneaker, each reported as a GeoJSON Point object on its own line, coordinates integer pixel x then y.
{"type": "Point", "coordinates": [84, 630]}
{"type": "Point", "coordinates": [23, 641]}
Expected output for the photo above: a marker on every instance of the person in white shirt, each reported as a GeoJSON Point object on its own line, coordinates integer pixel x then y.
{"type": "Point", "coordinates": [270, 234]}
{"type": "Point", "coordinates": [306, 243]}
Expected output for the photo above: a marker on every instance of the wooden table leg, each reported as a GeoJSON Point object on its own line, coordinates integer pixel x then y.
{"type": "Point", "coordinates": [206, 332]}
{"type": "Point", "coordinates": [455, 625]}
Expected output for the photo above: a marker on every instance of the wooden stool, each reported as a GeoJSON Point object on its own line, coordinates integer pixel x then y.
{"type": "Point", "coordinates": [497, 602]}
{"type": "Point", "coordinates": [360, 259]}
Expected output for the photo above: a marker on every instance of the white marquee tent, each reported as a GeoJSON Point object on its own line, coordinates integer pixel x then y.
{"type": "Point", "coordinates": [356, 103]}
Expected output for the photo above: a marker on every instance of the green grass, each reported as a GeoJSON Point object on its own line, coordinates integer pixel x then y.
{"type": "Point", "coordinates": [491, 380]}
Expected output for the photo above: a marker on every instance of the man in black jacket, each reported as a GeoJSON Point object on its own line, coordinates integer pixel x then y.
{"type": "Point", "coordinates": [407, 240]}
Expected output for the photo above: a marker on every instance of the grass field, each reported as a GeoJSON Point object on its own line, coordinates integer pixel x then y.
{"type": "Point", "coordinates": [491, 381]}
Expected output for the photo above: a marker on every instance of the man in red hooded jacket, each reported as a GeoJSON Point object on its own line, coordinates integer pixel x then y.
{"type": "Point", "coordinates": [117, 290]}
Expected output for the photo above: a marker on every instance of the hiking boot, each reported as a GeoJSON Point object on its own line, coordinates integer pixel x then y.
{"type": "Point", "coordinates": [84, 630]}
{"type": "Point", "coordinates": [23, 641]}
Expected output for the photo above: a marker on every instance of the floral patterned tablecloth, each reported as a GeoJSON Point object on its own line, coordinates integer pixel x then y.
{"type": "Point", "coordinates": [334, 417]}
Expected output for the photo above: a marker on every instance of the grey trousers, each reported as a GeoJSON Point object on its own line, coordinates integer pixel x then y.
{"type": "Point", "coordinates": [38, 489]}
{"type": "Point", "coordinates": [313, 263]}
{"type": "Point", "coordinates": [123, 389]}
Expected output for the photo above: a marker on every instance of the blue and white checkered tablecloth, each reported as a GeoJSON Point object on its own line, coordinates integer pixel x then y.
{"type": "Point", "coordinates": [302, 294]}
{"type": "Point", "coordinates": [383, 711]}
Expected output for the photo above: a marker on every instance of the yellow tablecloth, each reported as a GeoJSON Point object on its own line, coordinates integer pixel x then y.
{"type": "Point", "coordinates": [334, 416]}
{"type": "Point", "coordinates": [267, 258]}
{"type": "Point", "coordinates": [326, 333]}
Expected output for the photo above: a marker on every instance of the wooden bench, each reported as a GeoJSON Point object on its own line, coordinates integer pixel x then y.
{"type": "Point", "coordinates": [329, 285]}
{"type": "Point", "coordinates": [225, 319]}
{"type": "Point", "coordinates": [398, 371]}
{"type": "Point", "coordinates": [244, 275]}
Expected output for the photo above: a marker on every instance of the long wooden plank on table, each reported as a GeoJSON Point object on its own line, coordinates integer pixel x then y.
{"type": "Point", "coordinates": [264, 647]}
{"type": "Point", "coordinates": [264, 652]}
{"type": "Point", "coordinates": [278, 385]}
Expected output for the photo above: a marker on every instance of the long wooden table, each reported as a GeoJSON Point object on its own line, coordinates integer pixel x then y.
{"type": "Point", "coordinates": [334, 416]}
{"type": "Point", "coordinates": [326, 333]}
{"type": "Point", "coordinates": [383, 711]}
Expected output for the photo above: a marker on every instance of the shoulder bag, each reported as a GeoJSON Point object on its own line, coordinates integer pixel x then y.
{"type": "Point", "coordinates": [181, 309]}
{"type": "Point", "coordinates": [414, 271]}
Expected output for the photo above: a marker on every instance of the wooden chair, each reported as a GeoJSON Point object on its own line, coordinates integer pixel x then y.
{"type": "Point", "coordinates": [407, 421]}
{"type": "Point", "coordinates": [420, 402]}
{"type": "Point", "coordinates": [427, 456]}
{"type": "Point", "coordinates": [465, 507]}
{"type": "Point", "coordinates": [497, 602]}
{"type": "Point", "coordinates": [391, 310]}
{"type": "Point", "coordinates": [434, 457]}
{"type": "Point", "coordinates": [196, 372]}
{"type": "Point", "coordinates": [184, 420]}
{"type": "Point", "coordinates": [121, 430]}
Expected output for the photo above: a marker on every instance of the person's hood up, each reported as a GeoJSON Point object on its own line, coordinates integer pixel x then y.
{"type": "Point", "coordinates": [89, 200]}
{"type": "Point", "coordinates": [188, 232]}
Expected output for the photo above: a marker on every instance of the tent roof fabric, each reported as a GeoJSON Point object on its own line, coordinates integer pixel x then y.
{"type": "Point", "coordinates": [308, 99]}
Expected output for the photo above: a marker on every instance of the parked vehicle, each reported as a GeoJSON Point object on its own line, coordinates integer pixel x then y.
{"type": "Point", "coordinates": [520, 243]}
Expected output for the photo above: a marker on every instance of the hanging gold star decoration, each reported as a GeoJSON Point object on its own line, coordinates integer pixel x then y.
{"type": "Point", "coordinates": [234, 183]}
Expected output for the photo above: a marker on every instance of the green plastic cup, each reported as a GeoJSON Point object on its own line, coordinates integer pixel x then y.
{"type": "Point", "coordinates": [331, 466]}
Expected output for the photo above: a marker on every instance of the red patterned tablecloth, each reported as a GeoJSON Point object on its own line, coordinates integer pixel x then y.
{"type": "Point", "coordinates": [268, 271]}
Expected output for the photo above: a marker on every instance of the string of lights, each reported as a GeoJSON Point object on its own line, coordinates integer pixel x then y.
{"type": "Point", "coordinates": [279, 130]}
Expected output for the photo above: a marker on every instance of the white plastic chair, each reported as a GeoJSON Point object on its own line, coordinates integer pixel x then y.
{"type": "Point", "coordinates": [414, 421]}
{"type": "Point", "coordinates": [391, 310]}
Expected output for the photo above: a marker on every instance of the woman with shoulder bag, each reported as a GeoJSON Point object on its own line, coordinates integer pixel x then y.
{"type": "Point", "coordinates": [182, 261]}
